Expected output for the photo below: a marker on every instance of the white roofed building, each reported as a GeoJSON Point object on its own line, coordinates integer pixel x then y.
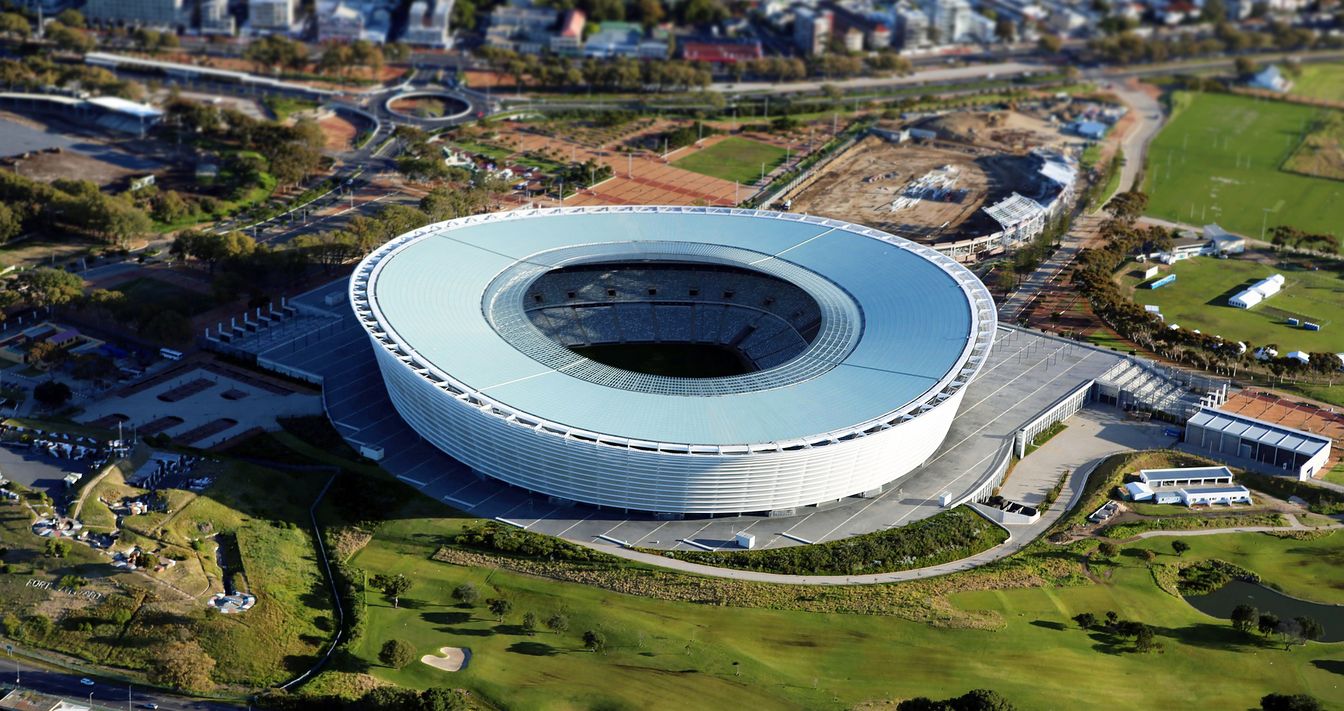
{"type": "Point", "coordinates": [270, 14]}
{"type": "Point", "coordinates": [427, 23]}
{"type": "Point", "coordinates": [1257, 292]}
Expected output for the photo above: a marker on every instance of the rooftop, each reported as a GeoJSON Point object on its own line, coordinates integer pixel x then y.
{"type": "Point", "coordinates": [1249, 428]}
{"type": "Point", "coordinates": [1184, 473]}
{"type": "Point", "coordinates": [899, 317]}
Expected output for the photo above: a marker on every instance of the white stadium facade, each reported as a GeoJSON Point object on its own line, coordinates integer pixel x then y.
{"type": "Point", "coordinates": [841, 352]}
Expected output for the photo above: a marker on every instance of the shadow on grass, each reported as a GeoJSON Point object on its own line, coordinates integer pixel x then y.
{"type": "Point", "coordinates": [1334, 666]}
{"type": "Point", "coordinates": [446, 618]}
{"type": "Point", "coordinates": [1050, 625]}
{"type": "Point", "coordinates": [1211, 636]}
{"type": "Point", "coordinates": [467, 631]}
{"type": "Point", "coordinates": [533, 649]}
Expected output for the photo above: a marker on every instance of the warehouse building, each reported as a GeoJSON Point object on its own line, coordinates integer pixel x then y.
{"type": "Point", "coordinates": [1254, 444]}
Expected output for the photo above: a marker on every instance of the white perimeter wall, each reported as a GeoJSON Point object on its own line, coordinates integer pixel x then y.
{"type": "Point", "coordinates": [623, 478]}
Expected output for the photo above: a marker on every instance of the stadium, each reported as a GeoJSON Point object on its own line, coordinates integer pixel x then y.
{"type": "Point", "coordinates": [685, 361]}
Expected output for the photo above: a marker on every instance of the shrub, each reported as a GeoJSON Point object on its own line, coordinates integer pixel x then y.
{"type": "Point", "coordinates": [396, 653]}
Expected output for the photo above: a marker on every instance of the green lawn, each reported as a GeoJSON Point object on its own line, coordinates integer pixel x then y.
{"type": "Point", "coordinates": [1198, 300]}
{"type": "Point", "coordinates": [660, 653]}
{"type": "Point", "coordinates": [147, 290]}
{"type": "Point", "coordinates": [1320, 81]}
{"type": "Point", "coordinates": [1220, 160]}
{"type": "Point", "coordinates": [734, 158]}
{"type": "Point", "coordinates": [1336, 475]}
{"type": "Point", "coordinates": [283, 106]}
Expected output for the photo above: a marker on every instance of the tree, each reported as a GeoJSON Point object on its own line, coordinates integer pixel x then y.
{"type": "Point", "coordinates": [57, 548]}
{"type": "Point", "coordinates": [393, 586]}
{"type": "Point", "coordinates": [1128, 206]}
{"type": "Point", "coordinates": [594, 641]}
{"type": "Point", "coordinates": [1050, 44]}
{"type": "Point", "coordinates": [465, 594]}
{"type": "Point", "coordinates": [1180, 547]}
{"type": "Point", "coordinates": [396, 653]}
{"type": "Point", "coordinates": [183, 665]}
{"type": "Point", "coordinates": [48, 287]}
{"type": "Point", "coordinates": [11, 223]}
{"type": "Point", "coordinates": [14, 25]}
{"type": "Point", "coordinates": [51, 393]}
{"type": "Point", "coordinates": [1109, 549]}
{"type": "Point", "coordinates": [1290, 702]}
{"type": "Point", "coordinates": [1290, 631]}
{"type": "Point", "coordinates": [1245, 617]}
{"type": "Point", "coordinates": [1085, 620]}
{"type": "Point", "coordinates": [69, 39]}
{"type": "Point", "coordinates": [530, 622]}
{"type": "Point", "coordinates": [1144, 639]}
{"type": "Point", "coordinates": [499, 607]}
{"type": "Point", "coordinates": [1267, 623]}
{"type": "Point", "coordinates": [71, 18]}
{"type": "Point", "coordinates": [557, 623]}
{"type": "Point", "coordinates": [1311, 629]}
{"type": "Point", "coordinates": [1148, 555]}
{"type": "Point", "coordinates": [1245, 66]}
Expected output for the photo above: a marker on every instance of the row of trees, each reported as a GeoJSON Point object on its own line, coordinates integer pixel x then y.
{"type": "Point", "coordinates": [75, 205]}
{"type": "Point", "coordinates": [1126, 47]}
{"type": "Point", "coordinates": [292, 152]}
{"type": "Point", "coordinates": [272, 54]}
{"type": "Point", "coordinates": [1298, 630]}
{"type": "Point", "coordinates": [1284, 236]}
{"type": "Point", "coordinates": [1144, 637]}
{"type": "Point", "coordinates": [1124, 238]}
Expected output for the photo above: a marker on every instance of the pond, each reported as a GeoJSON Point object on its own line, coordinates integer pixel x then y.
{"type": "Point", "coordinates": [1221, 602]}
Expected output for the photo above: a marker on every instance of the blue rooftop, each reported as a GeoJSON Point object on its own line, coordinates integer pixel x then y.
{"type": "Point", "coordinates": [906, 321]}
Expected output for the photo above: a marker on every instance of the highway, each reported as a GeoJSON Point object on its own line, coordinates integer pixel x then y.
{"type": "Point", "coordinates": [104, 693]}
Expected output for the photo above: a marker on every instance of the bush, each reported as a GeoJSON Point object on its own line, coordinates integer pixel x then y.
{"type": "Point", "coordinates": [396, 653]}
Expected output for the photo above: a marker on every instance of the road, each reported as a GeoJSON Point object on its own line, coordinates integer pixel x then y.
{"type": "Point", "coordinates": [1148, 112]}
{"type": "Point", "coordinates": [106, 693]}
{"type": "Point", "coordinates": [1077, 450]}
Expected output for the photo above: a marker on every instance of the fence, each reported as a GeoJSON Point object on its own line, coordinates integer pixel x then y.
{"type": "Point", "coordinates": [992, 479]}
{"type": "Point", "coordinates": [1062, 409]}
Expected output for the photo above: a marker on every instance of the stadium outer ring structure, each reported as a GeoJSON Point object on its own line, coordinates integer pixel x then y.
{"type": "Point", "coordinates": [570, 459]}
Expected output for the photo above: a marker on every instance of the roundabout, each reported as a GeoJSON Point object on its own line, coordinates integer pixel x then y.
{"type": "Point", "coordinates": [427, 105]}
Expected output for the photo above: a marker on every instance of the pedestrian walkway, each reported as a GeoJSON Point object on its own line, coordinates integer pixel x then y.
{"type": "Point", "coordinates": [1093, 435]}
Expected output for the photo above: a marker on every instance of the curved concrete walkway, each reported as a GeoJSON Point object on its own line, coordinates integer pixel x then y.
{"type": "Point", "coordinates": [1092, 436]}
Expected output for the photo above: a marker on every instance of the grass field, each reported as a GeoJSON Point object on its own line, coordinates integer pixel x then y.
{"type": "Point", "coordinates": [1198, 300]}
{"type": "Point", "coordinates": [1320, 81]}
{"type": "Point", "coordinates": [734, 158]}
{"type": "Point", "coordinates": [660, 653]}
{"type": "Point", "coordinates": [1221, 158]}
{"type": "Point", "coordinates": [147, 290]}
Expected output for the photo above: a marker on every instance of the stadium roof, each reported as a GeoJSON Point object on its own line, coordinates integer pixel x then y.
{"type": "Point", "coordinates": [906, 324]}
{"type": "Point", "coordinates": [1267, 433]}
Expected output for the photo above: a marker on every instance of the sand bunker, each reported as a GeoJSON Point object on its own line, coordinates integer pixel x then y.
{"type": "Point", "coordinates": [450, 659]}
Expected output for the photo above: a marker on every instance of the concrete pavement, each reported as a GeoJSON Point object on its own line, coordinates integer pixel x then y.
{"type": "Point", "coordinates": [1093, 435]}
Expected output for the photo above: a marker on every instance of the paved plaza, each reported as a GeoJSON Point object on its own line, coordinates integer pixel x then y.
{"type": "Point", "coordinates": [1026, 373]}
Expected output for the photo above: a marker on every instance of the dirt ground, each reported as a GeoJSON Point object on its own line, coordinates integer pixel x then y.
{"type": "Point", "coordinates": [862, 187]}
{"type": "Point", "coordinates": [46, 167]}
{"type": "Point", "coordinates": [644, 179]}
{"type": "Point", "coordinates": [340, 132]}
{"type": "Point", "coordinates": [1002, 130]}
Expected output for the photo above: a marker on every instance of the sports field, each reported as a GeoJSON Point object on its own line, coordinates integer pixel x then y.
{"type": "Point", "coordinates": [1198, 300]}
{"type": "Point", "coordinates": [1220, 160]}
{"type": "Point", "coordinates": [1320, 81]}
{"type": "Point", "coordinates": [734, 158]}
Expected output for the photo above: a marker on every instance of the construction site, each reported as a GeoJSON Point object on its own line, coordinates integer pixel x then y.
{"type": "Point", "coordinates": [967, 184]}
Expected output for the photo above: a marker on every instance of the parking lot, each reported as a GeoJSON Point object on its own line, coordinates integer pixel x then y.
{"type": "Point", "coordinates": [1026, 373]}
